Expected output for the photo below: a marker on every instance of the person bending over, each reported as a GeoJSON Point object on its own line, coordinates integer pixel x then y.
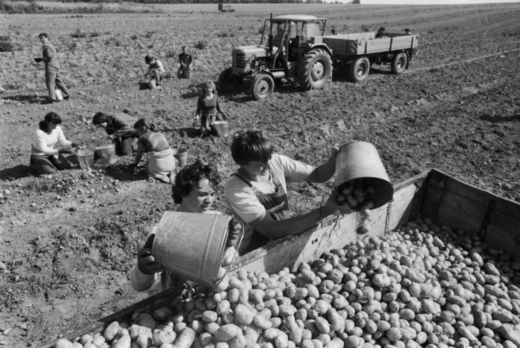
{"type": "Point", "coordinates": [155, 72]}
{"type": "Point", "coordinates": [257, 192]}
{"type": "Point", "coordinates": [161, 163]}
{"type": "Point", "coordinates": [120, 130]}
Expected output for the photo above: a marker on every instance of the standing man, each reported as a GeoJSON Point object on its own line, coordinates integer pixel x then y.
{"type": "Point", "coordinates": [120, 129]}
{"type": "Point", "coordinates": [185, 60]}
{"type": "Point", "coordinates": [52, 69]}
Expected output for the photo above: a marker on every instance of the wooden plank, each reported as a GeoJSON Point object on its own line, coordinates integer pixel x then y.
{"type": "Point", "coordinates": [505, 222]}
{"type": "Point", "coordinates": [457, 219]}
{"type": "Point", "coordinates": [433, 195]}
{"type": "Point", "coordinates": [100, 324]}
{"type": "Point", "coordinates": [504, 240]}
{"type": "Point", "coordinates": [463, 205]}
{"type": "Point", "coordinates": [503, 205]}
{"type": "Point", "coordinates": [334, 233]}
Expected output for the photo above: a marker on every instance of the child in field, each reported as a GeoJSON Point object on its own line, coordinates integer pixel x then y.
{"type": "Point", "coordinates": [155, 72]}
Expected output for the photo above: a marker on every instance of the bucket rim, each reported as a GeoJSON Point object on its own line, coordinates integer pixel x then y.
{"type": "Point", "coordinates": [106, 146]}
{"type": "Point", "coordinates": [85, 152]}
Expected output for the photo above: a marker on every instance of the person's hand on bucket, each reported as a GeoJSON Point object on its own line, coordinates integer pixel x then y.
{"type": "Point", "coordinates": [334, 150]}
{"type": "Point", "coordinates": [145, 261]}
{"type": "Point", "coordinates": [78, 146]}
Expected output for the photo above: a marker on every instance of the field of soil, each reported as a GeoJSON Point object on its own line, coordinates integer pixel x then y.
{"type": "Point", "coordinates": [68, 240]}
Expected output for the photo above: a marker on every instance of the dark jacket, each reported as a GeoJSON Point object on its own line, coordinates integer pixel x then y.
{"type": "Point", "coordinates": [121, 125]}
{"type": "Point", "coordinates": [49, 56]}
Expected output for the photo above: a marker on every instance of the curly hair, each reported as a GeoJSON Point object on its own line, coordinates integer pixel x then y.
{"type": "Point", "coordinates": [190, 176]}
{"type": "Point", "coordinates": [50, 118]}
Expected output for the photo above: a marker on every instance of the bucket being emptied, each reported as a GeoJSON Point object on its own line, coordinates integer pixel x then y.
{"type": "Point", "coordinates": [221, 128]}
{"type": "Point", "coordinates": [85, 158]}
{"type": "Point", "coordinates": [191, 245]}
{"type": "Point", "coordinates": [181, 155]}
{"type": "Point", "coordinates": [107, 153]}
{"type": "Point", "coordinates": [358, 163]}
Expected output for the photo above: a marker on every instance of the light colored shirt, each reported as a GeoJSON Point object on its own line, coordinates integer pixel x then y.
{"type": "Point", "coordinates": [156, 65]}
{"type": "Point", "coordinates": [242, 200]}
{"type": "Point", "coordinates": [43, 143]}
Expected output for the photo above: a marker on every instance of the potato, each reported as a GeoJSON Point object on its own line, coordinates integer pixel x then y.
{"type": "Point", "coordinates": [111, 331]}
{"type": "Point", "coordinates": [226, 332]}
{"type": "Point", "coordinates": [63, 343]}
{"type": "Point", "coordinates": [162, 314]}
{"type": "Point", "coordinates": [163, 334]}
{"type": "Point", "coordinates": [243, 314]}
{"type": "Point", "coordinates": [124, 342]}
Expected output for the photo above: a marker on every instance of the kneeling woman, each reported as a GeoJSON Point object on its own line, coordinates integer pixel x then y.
{"type": "Point", "coordinates": [161, 163]}
{"type": "Point", "coordinates": [209, 108]}
{"type": "Point", "coordinates": [194, 192]}
{"type": "Point", "coordinates": [44, 157]}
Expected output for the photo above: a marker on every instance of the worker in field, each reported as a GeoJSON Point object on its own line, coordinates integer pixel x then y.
{"type": "Point", "coordinates": [194, 191]}
{"type": "Point", "coordinates": [407, 31]}
{"type": "Point", "coordinates": [208, 109]}
{"type": "Point", "coordinates": [257, 192]}
{"type": "Point", "coordinates": [155, 72]}
{"type": "Point", "coordinates": [120, 130]}
{"type": "Point", "coordinates": [185, 61]}
{"type": "Point", "coordinates": [46, 158]}
{"type": "Point", "coordinates": [381, 33]}
{"type": "Point", "coordinates": [161, 163]}
{"type": "Point", "coordinates": [52, 70]}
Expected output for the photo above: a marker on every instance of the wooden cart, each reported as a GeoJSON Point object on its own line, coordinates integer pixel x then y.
{"type": "Point", "coordinates": [432, 194]}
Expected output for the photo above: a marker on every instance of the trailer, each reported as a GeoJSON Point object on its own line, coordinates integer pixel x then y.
{"type": "Point", "coordinates": [225, 8]}
{"type": "Point", "coordinates": [431, 194]}
{"type": "Point", "coordinates": [295, 48]}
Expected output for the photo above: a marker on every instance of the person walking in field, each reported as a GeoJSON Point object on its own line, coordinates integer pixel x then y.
{"type": "Point", "coordinates": [185, 60]}
{"type": "Point", "coordinates": [120, 129]}
{"type": "Point", "coordinates": [208, 109]}
{"type": "Point", "coordinates": [154, 73]}
{"type": "Point", "coordinates": [161, 164]}
{"type": "Point", "coordinates": [52, 70]}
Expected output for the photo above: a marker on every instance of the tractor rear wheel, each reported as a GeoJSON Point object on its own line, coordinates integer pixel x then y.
{"type": "Point", "coordinates": [227, 82]}
{"type": "Point", "coordinates": [314, 69]}
{"type": "Point", "coordinates": [399, 63]}
{"type": "Point", "coordinates": [262, 86]}
{"type": "Point", "coordinates": [359, 69]}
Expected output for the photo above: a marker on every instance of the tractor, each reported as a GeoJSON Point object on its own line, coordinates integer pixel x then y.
{"type": "Point", "coordinates": [289, 53]}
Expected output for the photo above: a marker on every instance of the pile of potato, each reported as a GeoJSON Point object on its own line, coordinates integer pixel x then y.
{"type": "Point", "coordinates": [421, 286]}
{"type": "Point", "coordinates": [355, 193]}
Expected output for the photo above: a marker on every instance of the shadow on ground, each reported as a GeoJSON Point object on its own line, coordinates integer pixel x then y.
{"type": "Point", "coordinates": [26, 99]}
{"type": "Point", "coordinates": [500, 119]}
{"type": "Point", "coordinates": [16, 172]}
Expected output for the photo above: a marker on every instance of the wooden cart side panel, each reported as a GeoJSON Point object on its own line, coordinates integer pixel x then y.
{"type": "Point", "coordinates": [334, 233]}
{"type": "Point", "coordinates": [117, 316]}
{"type": "Point", "coordinates": [475, 211]}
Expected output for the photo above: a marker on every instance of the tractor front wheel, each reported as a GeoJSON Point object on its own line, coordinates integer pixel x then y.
{"type": "Point", "coordinates": [399, 63]}
{"type": "Point", "coordinates": [262, 86]}
{"type": "Point", "coordinates": [359, 69]}
{"type": "Point", "coordinates": [314, 69]}
{"type": "Point", "coordinates": [227, 82]}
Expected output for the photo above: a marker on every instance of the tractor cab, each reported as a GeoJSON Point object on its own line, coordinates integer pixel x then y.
{"type": "Point", "coordinates": [288, 37]}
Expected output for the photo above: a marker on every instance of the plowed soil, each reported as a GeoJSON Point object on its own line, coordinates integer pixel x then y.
{"type": "Point", "coordinates": [68, 240]}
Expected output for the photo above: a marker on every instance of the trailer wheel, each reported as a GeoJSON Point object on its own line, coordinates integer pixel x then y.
{"type": "Point", "coordinates": [359, 69]}
{"type": "Point", "coordinates": [262, 86]}
{"type": "Point", "coordinates": [314, 69]}
{"type": "Point", "coordinates": [399, 63]}
{"type": "Point", "coordinates": [227, 82]}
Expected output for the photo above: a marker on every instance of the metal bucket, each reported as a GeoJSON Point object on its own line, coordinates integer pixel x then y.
{"type": "Point", "coordinates": [191, 245]}
{"type": "Point", "coordinates": [58, 94]}
{"type": "Point", "coordinates": [181, 155]}
{"type": "Point", "coordinates": [85, 158]}
{"type": "Point", "coordinates": [221, 128]}
{"type": "Point", "coordinates": [360, 160]}
{"type": "Point", "coordinates": [107, 153]}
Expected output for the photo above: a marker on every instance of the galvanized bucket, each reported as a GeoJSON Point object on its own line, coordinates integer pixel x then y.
{"type": "Point", "coordinates": [85, 158]}
{"type": "Point", "coordinates": [191, 245]}
{"type": "Point", "coordinates": [181, 155]}
{"type": "Point", "coordinates": [360, 160]}
{"type": "Point", "coordinates": [221, 128]}
{"type": "Point", "coordinates": [107, 153]}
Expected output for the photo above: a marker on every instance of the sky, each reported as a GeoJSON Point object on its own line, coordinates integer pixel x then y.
{"type": "Point", "coordinates": [425, 2]}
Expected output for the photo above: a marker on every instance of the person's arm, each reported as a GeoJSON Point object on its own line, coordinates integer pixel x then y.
{"type": "Point", "coordinates": [189, 60]}
{"type": "Point", "coordinates": [219, 109]}
{"type": "Point", "coordinates": [161, 66]}
{"type": "Point", "coordinates": [47, 54]}
{"type": "Point", "coordinates": [143, 275]}
{"type": "Point", "coordinates": [40, 144]}
{"type": "Point", "coordinates": [139, 154]}
{"type": "Point", "coordinates": [275, 229]}
{"type": "Point", "coordinates": [61, 138]}
{"type": "Point", "coordinates": [326, 171]}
